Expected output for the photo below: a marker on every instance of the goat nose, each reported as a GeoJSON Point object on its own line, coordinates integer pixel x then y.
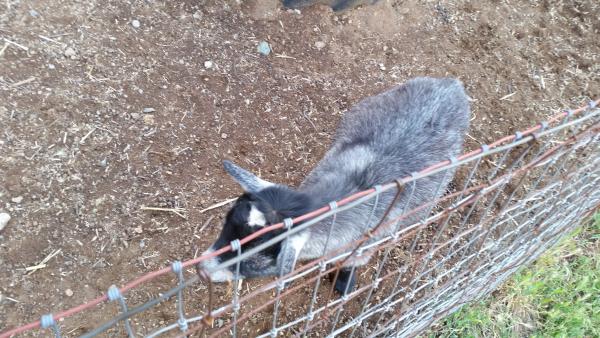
{"type": "Point", "coordinates": [220, 276]}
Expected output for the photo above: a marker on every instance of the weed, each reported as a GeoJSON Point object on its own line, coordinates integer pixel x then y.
{"type": "Point", "coordinates": [558, 296]}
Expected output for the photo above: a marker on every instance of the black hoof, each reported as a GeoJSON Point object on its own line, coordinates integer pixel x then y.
{"type": "Point", "coordinates": [297, 3]}
{"type": "Point", "coordinates": [343, 5]}
{"type": "Point", "coordinates": [346, 281]}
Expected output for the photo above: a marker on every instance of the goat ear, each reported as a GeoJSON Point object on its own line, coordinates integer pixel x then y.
{"type": "Point", "coordinates": [286, 260]}
{"type": "Point", "coordinates": [249, 182]}
{"type": "Point", "coordinates": [290, 250]}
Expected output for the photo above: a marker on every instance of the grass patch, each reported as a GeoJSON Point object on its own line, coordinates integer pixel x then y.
{"type": "Point", "coordinates": [558, 296]}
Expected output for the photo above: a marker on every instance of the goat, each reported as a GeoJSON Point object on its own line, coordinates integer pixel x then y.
{"type": "Point", "coordinates": [380, 139]}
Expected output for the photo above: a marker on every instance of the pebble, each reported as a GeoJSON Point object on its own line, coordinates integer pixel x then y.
{"type": "Point", "coordinates": [17, 199]}
{"type": "Point", "coordinates": [224, 136]}
{"type": "Point", "coordinates": [103, 163]}
{"type": "Point", "coordinates": [208, 64]}
{"type": "Point", "coordinates": [135, 116]}
{"type": "Point", "coordinates": [4, 219]}
{"type": "Point", "coordinates": [149, 119]}
{"type": "Point", "coordinates": [320, 45]}
{"type": "Point", "coordinates": [148, 110]}
{"type": "Point", "coordinates": [51, 66]}
{"type": "Point", "coordinates": [34, 13]}
{"type": "Point", "coordinates": [138, 230]}
{"type": "Point", "coordinates": [135, 23]}
{"type": "Point", "coordinates": [69, 292]}
{"type": "Point", "coordinates": [70, 52]}
{"type": "Point", "coordinates": [264, 48]}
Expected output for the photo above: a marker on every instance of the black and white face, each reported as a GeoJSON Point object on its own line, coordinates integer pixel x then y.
{"type": "Point", "coordinates": [262, 204]}
{"type": "Point", "coordinates": [249, 214]}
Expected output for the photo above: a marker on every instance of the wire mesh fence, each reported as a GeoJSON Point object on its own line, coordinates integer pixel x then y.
{"type": "Point", "coordinates": [509, 201]}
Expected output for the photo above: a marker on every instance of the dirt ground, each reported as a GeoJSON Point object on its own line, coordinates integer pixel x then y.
{"type": "Point", "coordinates": [100, 116]}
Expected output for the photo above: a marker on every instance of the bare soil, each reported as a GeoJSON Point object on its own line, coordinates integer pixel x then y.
{"type": "Point", "coordinates": [80, 153]}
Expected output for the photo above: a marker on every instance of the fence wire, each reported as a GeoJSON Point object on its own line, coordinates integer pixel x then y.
{"type": "Point", "coordinates": [509, 202]}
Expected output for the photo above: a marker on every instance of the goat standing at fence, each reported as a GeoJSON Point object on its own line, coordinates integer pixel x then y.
{"type": "Point", "coordinates": [382, 138]}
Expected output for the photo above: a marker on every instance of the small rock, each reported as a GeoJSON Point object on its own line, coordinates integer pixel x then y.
{"type": "Point", "coordinates": [51, 66]}
{"type": "Point", "coordinates": [17, 199]}
{"type": "Point", "coordinates": [69, 292]}
{"type": "Point", "coordinates": [70, 52]}
{"type": "Point", "coordinates": [135, 116]}
{"type": "Point", "coordinates": [103, 163]}
{"type": "Point", "coordinates": [138, 230]}
{"type": "Point", "coordinates": [4, 219]}
{"type": "Point", "coordinates": [34, 13]}
{"type": "Point", "coordinates": [148, 110]}
{"type": "Point", "coordinates": [264, 48]}
{"type": "Point", "coordinates": [135, 23]}
{"type": "Point", "coordinates": [220, 322]}
{"type": "Point", "coordinates": [224, 136]}
{"type": "Point", "coordinates": [208, 64]}
{"type": "Point", "coordinates": [320, 45]}
{"type": "Point", "coordinates": [149, 119]}
{"type": "Point", "coordinates": [382, 66]}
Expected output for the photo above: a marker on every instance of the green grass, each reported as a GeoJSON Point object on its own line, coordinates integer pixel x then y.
{"type": "Point", "coordinates": [558, 296]}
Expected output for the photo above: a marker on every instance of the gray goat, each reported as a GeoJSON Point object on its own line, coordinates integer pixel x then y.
{"type": "Point", "coordinates": [382, 138]}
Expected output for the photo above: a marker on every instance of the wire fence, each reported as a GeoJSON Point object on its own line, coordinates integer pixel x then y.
{"type": "Point", "coordinates": [509, 202]}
